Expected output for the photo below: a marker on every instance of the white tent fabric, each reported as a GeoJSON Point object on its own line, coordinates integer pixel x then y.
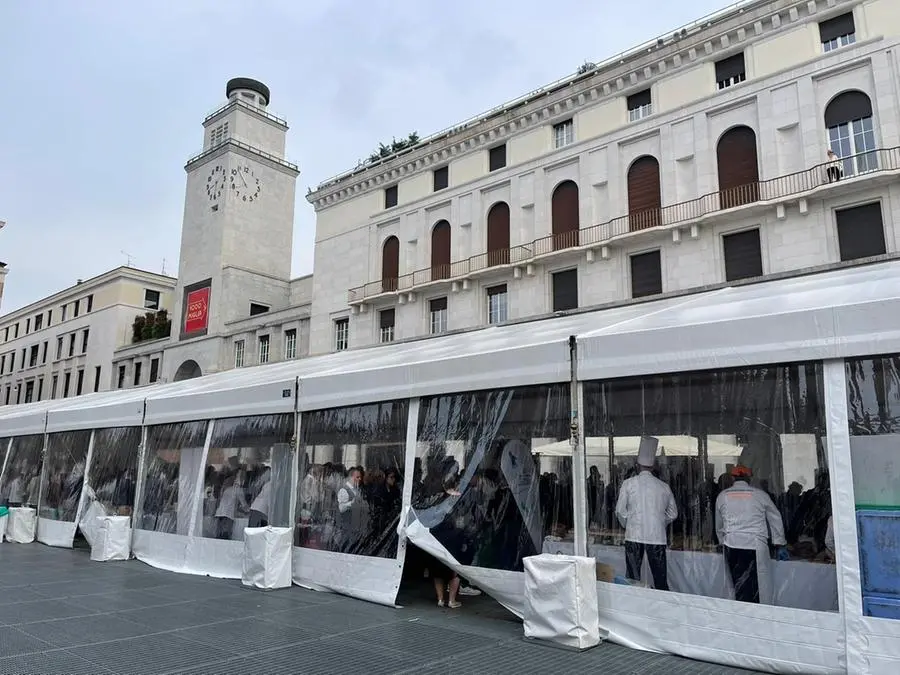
{"type": "Point", "coordinates": [838, 314]}
{"type": "Point", "coordinates": [829, 316]}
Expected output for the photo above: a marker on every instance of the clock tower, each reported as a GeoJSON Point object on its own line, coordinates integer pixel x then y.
{"type": "Point", "coordinates": [237, 233]}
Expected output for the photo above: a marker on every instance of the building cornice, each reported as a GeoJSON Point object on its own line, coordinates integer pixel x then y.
{"type": "Point", "coordinates": [113, 275]}
{"type": "Point", "coordinates": [246, 150]}
{"type": "Point", "coordinates": [706, 40]}
{"type": "Point", "coordinates": [262, 115]}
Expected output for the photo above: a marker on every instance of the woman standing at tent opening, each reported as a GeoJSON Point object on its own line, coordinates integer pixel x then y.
{"type": "Point", "coordinates": [232, 496]}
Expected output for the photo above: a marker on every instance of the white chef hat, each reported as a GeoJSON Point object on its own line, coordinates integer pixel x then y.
{"type": "Point", "coordinates": [647, 451]}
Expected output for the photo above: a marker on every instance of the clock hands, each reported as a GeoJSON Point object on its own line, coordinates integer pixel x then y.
{"type": "Point", "coordinates": [241, 174]}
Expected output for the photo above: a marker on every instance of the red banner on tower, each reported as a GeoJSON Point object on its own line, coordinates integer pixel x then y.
{"type": "Point", "coordinates": [196, 315]}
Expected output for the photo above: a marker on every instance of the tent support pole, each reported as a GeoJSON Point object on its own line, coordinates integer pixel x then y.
{"type": "Point", "coordinates": [579, 474]}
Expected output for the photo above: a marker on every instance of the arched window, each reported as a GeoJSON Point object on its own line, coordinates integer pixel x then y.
{"type": "Point", "coordinates": [644, 195]}
{"type": "Point", "coordinates": [851, 134]}
{"type": "Point", "coordinates": [564, 215]}
{"type": "Point", "coordinates": [440, 251]}
{"type": "Point", "coordinates": [498, 234]}
{"type": "Point", "coordinates": [390, 264]}
{"type": "Point", "coordinates": [738, 167]}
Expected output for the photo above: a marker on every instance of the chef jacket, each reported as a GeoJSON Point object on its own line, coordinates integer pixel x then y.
{"type": "Point", "coordinates": [746, 516]}
{"type": "Point", "coordinates": [645, 507]}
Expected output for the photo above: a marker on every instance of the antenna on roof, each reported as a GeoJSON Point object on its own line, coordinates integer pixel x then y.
{"type": "Point", "coordinates": [128, 258]}
{"type": "Point", "coordinates": [164, 267]}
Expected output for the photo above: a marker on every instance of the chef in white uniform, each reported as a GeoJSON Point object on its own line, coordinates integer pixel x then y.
{"type": "Point", "coordinates": [745, 519]}
{"type": "Point", "coordinates": [645, 508]}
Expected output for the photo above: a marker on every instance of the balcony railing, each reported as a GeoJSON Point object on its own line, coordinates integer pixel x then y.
{"type": "Point", "coordinates": [780, 188]}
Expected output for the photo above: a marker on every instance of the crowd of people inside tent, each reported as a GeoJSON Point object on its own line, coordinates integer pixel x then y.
{"type": "Point", "coordinates": [21, 485]}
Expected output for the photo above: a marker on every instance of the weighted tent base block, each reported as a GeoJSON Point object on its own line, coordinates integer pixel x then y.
{"type": "Point", "coordinates": [556, 645]}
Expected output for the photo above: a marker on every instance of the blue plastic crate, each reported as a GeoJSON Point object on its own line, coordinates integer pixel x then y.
{"type": "Point", "coordinates": [879, 552]}
{"type": "Point", "coordinates": [881, 607]}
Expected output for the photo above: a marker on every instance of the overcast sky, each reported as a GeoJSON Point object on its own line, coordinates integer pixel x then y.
{"type": "Point", "coordinates": [102, 102]}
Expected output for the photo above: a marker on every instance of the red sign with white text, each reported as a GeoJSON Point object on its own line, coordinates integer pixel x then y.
{"type": "Point", "coordinates": [196, 318]}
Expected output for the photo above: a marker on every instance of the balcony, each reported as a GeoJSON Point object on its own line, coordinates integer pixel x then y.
{"type": "Point", "coordinates": [773, 192]}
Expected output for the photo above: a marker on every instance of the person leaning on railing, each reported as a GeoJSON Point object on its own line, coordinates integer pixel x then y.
{"type": "Point", "coordinates": [833, 169]}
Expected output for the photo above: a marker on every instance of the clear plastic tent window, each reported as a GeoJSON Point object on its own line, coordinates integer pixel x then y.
{"type": "Point", "coordinates": [21, 480]}
{"type": "Point", "coordinates": [482, 485]}
{"type": "Point", "coordinates": [174, 454]}
{"type": "Point", "coordinates": [873, 393]}
{"type": "Point", "coordinates": [731, 498]}
{"type": "Point", "coordinates": [63, 475]}
{"type": "Point", "coordinates": [112, 476]}
{"type": "Point", "coordinates": [247, 477]}
{"type": "Point", "coordinates": [350, 478]}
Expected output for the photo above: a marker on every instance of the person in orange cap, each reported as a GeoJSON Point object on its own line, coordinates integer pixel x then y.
{"type": "Point", "coordinates": [745, 516]}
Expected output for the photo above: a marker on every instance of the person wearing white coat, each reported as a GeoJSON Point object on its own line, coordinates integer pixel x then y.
{"type": "Point", "coordinates": [645, 508]}
{"type": "Point", "coordinates": [745, 518]}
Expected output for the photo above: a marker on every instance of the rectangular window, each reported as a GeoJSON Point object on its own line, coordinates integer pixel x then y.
{"type": "Point", "coordinates": [640, 105]}
{"type": "Point", "coordinates": [65, 311]}
{"type": "Point", "coordinates": [2, 364]}
{"type": "Point", "coordinates": [390, 197]}
{"type": "Point", "coordinates": [860, 231]}
{"type": "Point", "coordinates": [565, 290]}
{"type": "Point", "coordinates": [646, 274]}
{"type": "Point", "coordinates": [97, 378]}
{"type": "Point", "coordinates": [16, 331]}
{"type": "Point", "coordinates": [84, 340]}
{"type": "Point", "coordinates": [730, 71]}
{"type": "Point", "coordinates": [441, 178]}
{"type": "Point", "coordinates": [40, 391]}
{"type": "Point", "coordinates": [498, 305]}
{"type": "Point", "coordinates": [341, 334]}
{"type": "Point", "coordinates": [290, 344]}
{"type": "Point", "coordinates": [67, 380]}
{"type": "Point", "coordinates": [837, 32]}
{"type": "Point", "coordinates": [38, 322]}
{"type": "Point", "coordinates": [743, 255]}
{"type": "Point", "coordinates": [120, 380]}
{"type": "Point", "coordinates": [44, 352]}
{"type": "Point", "coordinates": [137, 373]}
{"type": "Point", "coordinates": [72, 344]}
{"type": "Point", "coordinates": [24, 353]}
{"type": "Point", "coordinates": [90, 304]}
{"type": "Point", "coordinates": [151, 299]}
{"type": "Point", "coordinates": [33, 356]}
{"type": "Point", "coordinates": [53, 386]}
{"type": "Point", "coordinates": [154, 370]}
{"type": "Point", "coordinates": [77, 309]}
{"type": "Point", "coordinates": [263, 349]}
{"type": "Point", "coordinates": [27, 326]}
{"type": "Point", "coordinates": [238, 353]}
{"type": "Point", "coordinates": [8, 392]}
{"type": "Point", "coordinates": [59, 348]}
{"type": "Point", "coordinates": [29, 391]}
{"type": "Point", "coordinates": [563, 133]}
{"type": "Point", "coordinates": [79, 382]}
{"type": "Point", "coordinates": [49, 317]}
{"type": "Point", "coordinates": [386, 325]}
{"type": "Point", "coordinates": [6, 334]}
{"type": "Point", "coordinates": [497, 157]}
{"type": "Point", "coordinates": [438, 315]}
{"type": "Point", "coordinates": [256, 309]}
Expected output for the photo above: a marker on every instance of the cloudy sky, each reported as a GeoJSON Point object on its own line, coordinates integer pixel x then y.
{"type": "Point", "coordinates": [103, 101]}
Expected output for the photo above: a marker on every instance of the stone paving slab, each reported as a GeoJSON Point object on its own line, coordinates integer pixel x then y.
{"type": "Point", "coordinates": [62, 613]}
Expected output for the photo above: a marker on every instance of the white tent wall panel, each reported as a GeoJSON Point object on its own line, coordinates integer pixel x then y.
{"type": "Point", "coordinates": [367, 578]}
{"type": "Point", "coordinates": [760, 637]}
{"type": "Point", "coordinates": [99, 411]}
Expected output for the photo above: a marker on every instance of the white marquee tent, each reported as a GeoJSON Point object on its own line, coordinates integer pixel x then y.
{"type": "Point", "coordinates": [825, 317]}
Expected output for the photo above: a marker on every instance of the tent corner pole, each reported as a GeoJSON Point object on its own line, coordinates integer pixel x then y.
{"type": "Point", "coordinates": [579, 474]}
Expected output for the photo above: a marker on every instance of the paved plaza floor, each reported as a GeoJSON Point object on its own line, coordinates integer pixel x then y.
{"type": "Point", "coordinates": [61, 613]}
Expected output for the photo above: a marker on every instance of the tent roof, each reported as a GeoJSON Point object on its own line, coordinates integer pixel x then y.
{"type": "Point", "coordinates": [117, 408]}
{"type": "Point", "coordinates": [847, 312]}
{"type": "Point", "coordinates": [844, 313]}
{"type": "Point", "coordinates": [25, 419]}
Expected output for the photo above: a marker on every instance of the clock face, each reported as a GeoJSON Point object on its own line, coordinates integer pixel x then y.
{"type": "Point", "coordinates": [215, 183]}
{"type": "Point", "coordinates": [245, 184]}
